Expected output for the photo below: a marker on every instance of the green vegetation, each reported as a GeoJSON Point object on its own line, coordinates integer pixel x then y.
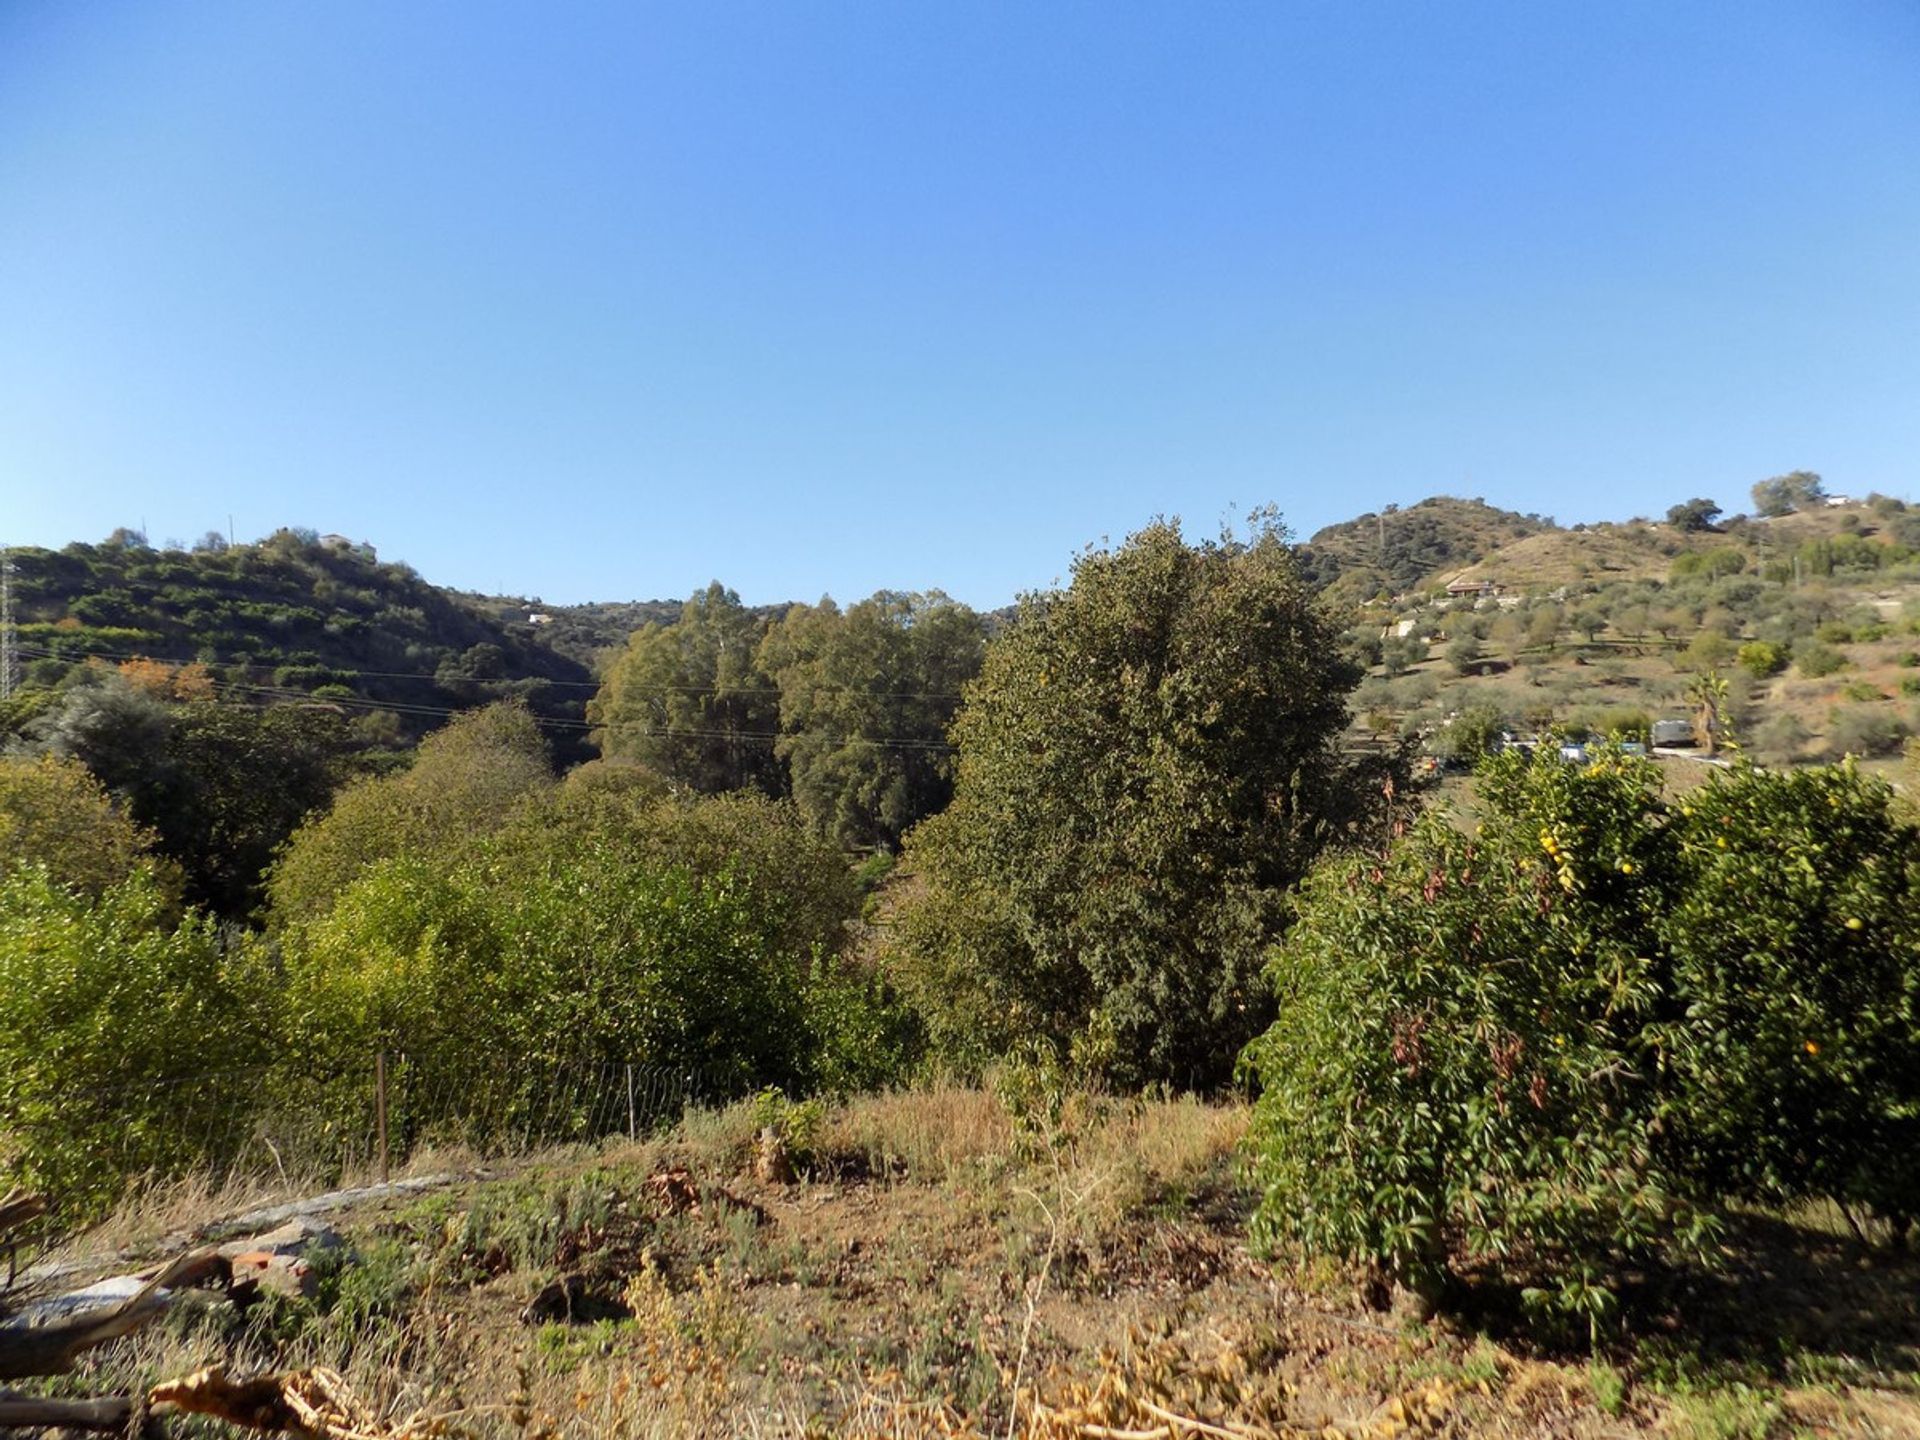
{"type": "Point", "coordinates": [289, 617]}
{"type": "Point", "coordinates": [55, 814]}
{"type": "Point", "coordinates": [113, 1004]}
{"type": "Point", "coordinates": [1146, 764]}
{"type": "Point", "coordinates": [1131, 839]}
{"type": "Point", "coordinates": [1784, 494]}
{"type": "Point", "coordinates": [1552, 1050]}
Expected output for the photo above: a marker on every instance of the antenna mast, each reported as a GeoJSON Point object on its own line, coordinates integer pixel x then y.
{"type": "Point", "coordinates": [9, 640]}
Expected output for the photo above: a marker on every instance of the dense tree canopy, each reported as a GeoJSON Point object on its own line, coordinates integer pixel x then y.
{"type": "Point", "coordinates": [1696, 514]}
{"type": "Point", "coordinates": [54, 813]}
{"type": "Point", "coordinates": [1145, 763]}
{"type": "Point", "coordinates": [220, 785]}
{"type": "Point", "coordinates": [465, 781]}
{"type": "Point", "coordinates": [690, 700]}
{"type": "Point", "coordinates": [1784, 494]}
{"type": "Point", "coordinates": [866, 695]}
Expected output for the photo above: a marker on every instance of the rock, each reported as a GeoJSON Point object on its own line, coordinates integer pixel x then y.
{"type": "Point", "coordinates": [281, 1260]}
{"type": "Point", "coordinates": [772, 1165]}
{"type": "Point", "coordinates": [299, 1236]}
{"type": "Point", "coordinates": [283, 1274]}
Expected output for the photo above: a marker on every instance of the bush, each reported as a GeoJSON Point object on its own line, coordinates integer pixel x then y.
{"type": "Point", "coordinates": [1459, 1070]}
{"type": "Point", "coordinates": [1464, 653]}
{"type": "Point", "coordinates": [465, 781]}
{"type": "Point", "coordinates": [1866, 731]}
{"type": "Point", "coordinates": [55, 814]}
{"type": "Point", "coordinates": [1819, 660]}
{"type": "Point", "coordinates": [588, 959]}
{"type": "Point", "coordinates": [862, 1035]}
{"type": "Point", "coordinates": [1553, 1049]}
{"type": "Point", "coordinates": [1794, 937]}
{"type": "Point", "coordinates": [1621, 722]}
{"type": "Point", "coordinates": [1762, 659]}
{"type": "Point", "coordinates": [1780, 738]}
{"type": "Point", "coordinates": [109, 1006]}
{"type": "Point", "coordinates": [1470, 734]}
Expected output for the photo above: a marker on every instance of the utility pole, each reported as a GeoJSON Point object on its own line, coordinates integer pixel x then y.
{"type": "Point", "coordinates": [9, 638]}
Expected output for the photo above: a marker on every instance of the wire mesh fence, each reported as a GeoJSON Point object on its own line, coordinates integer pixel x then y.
{"type": "Point", "coordinates": [299, 1133]}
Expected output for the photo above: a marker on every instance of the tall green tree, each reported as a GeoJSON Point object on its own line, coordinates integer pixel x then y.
{"type": "Point", "coordinates": [866, 695]}
{"type": "Point", "coordinates": [220, 785]}
{"type": "Point", "coordinates": [1146, 763]}
{"type": "Point", "coordinates": [690, 700]}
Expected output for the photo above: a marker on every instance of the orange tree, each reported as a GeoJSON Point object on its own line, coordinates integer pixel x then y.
{"type": "Point", "coordinates": [1793, 933]}
{"type": "Point", "coordinates": [1547, 1050]}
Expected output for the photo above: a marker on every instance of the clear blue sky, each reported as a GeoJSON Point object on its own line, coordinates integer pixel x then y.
{"type": "Point", "coordinates": [603, 302]}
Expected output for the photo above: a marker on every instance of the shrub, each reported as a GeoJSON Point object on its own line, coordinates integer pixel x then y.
{"type": "Point", "coordinates": [1819, 660]}
{"type": "Point", "coordinates": [110, 1007]}
{"type": "Point", "coordinates": [1622, 722]}
{"type": "Point", "coordinates": [1866, 731]}
{"type": "Point", "coordinates": [861, 1034]}
{"type": "Point", "coordinates": [1762, 659]}
{"type": "Point", "coordinates": [1794, 937]}
{"type": "Point", "coordinates": [1471, 733]}
{"type": "Point", "coordinates": [1459, 1070]}
{"type": "Point", "coordinates": [1557, 1046]}
{"type": "Point", "coordinates": [54, 813]}
{"type": "Point", "coordinates": [1780, 738]}
{"type": "Point", "coordinates": [498, 979]}
{"type": "Point", "coordinates": [1464, 653]}
{"type": "Point", "coordinates": [801, 884]}
{"type": "Point", "coordinates": [465, 780]}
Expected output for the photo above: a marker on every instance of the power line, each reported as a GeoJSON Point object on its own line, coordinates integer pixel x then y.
{"type": "Point", "coordinates": [542, 680]}
{"type": "Point", "coordinates": [401, 707]}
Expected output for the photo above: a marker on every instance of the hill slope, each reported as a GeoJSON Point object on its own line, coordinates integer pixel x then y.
{"type": "Point", "coordinates": [292, 618]}
{"type": "Point", "coordinates": [1396, 550]}
{"type": "Point", "coordinates": [1813, 619]}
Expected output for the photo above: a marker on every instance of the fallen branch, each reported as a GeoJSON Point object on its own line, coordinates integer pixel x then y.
{"type": "Point", "coordinates": [47, 1345]}
{"type": "Point", "coordinates": [110, 1414]}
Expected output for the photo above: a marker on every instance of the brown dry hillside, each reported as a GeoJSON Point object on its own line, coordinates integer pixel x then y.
{"type": "Point", "coordinates": [1635, 550]}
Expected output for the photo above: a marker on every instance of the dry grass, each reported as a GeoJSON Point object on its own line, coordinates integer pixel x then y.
{"type": "Point", "coordinates": [929, 1135]}
{"type": "Point", "coordinates": [950, 1269]}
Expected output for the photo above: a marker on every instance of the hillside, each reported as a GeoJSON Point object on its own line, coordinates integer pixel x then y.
{"type": "Point", "coordinates": [292, 618]}
{"type": "Point", "coordinates": [1396, 550]}
{"type": "Point", "coordinates": [1814, 619]}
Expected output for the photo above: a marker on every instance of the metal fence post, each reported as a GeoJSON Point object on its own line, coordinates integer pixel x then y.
{"type": "Point", "coordinates": [380, 1109]}
{"type": "Point", "coordinates": [632, 1131]}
